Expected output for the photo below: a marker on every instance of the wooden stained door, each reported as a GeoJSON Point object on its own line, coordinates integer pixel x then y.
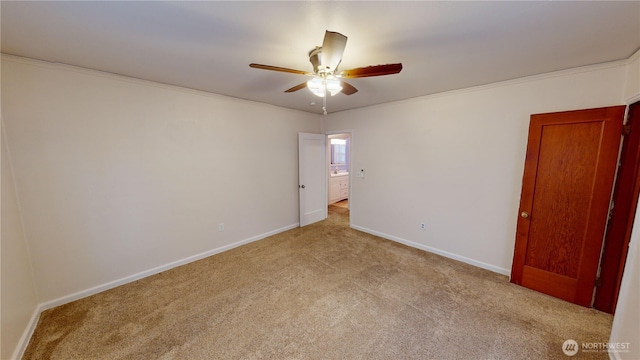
{"type": "Point", "coordinates": [566, 189]}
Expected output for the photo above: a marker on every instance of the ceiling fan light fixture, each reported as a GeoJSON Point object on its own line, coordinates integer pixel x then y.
{"type": "Point", "coordinates": [316, 85]}
{"type": "Point", "coordinates": [320, 85]}
{"type": "Point", "coordinates": [333, 85]}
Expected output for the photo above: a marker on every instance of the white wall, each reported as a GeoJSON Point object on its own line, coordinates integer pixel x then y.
{"type": "Point", "coordinates": [19, 297]}
{"type": "Point", "coordinates": [117, 177]}
{"type": "Point", "coordinates": [632, 84]}
{"type": "Point", "coordinates": [455, 160]}
{"type": "Point", "coordinates": [626, 322]}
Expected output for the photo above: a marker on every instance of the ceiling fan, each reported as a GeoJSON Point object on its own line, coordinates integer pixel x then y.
{"type": "Point", "coordinates": [326, 77]}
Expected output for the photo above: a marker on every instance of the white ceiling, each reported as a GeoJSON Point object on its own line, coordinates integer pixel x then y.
{"type": "Point", "coordinates": [209, 45]}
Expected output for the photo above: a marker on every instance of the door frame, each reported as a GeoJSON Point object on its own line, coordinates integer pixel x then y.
{"type": "Point", "coordinates": [620, 224]}
{"type": "Point", "coordinates": [350, 167]}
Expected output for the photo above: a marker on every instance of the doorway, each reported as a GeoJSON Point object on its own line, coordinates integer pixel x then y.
{"type": "Point", "coordinates": [339, 148]}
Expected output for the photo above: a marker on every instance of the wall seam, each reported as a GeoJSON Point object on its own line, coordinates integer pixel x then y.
{"type": "Point", "coordinates": [18, 204]}
{"type": "Point", "coordinates": [27, 332]}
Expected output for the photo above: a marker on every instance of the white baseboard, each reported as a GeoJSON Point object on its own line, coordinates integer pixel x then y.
{"type": "Point", "coordinates": [26, 334]}
{"type": "Point", "coordinates": [31, 326]}
{"type": "Point", "coordinates": [446, 254]}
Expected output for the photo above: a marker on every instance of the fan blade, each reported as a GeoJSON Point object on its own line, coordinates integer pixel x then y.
{"type": "Point", "coordinates": [332, 49]}
{"type": "Point", "coordinates": [376, 70]}
{"type": "Point", "coordinates": [297, 87]}
{"type": "Point", "coordinates": [281, 69]}
{"type": "Point", "coordinates": [347, 88]}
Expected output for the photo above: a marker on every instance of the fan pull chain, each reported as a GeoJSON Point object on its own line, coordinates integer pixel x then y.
{"type": "Point", "coordinates": [324, 101]}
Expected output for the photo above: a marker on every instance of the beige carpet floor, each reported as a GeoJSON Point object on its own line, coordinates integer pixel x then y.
{"type": "Point", "coordinates": [324, 291]}
{"type": "Point", "coordinates": [342, 204]}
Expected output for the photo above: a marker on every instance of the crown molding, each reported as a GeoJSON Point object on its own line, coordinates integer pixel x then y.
{"type": "Point", "coordinates": [138, 81]}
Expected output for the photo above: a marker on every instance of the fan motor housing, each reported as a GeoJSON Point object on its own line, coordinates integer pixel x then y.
{"type": "Point", "coordinates": [315, 57]}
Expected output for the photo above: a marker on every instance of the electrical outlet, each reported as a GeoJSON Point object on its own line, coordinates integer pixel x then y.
{"type": "Point", "coordinates": [423, 226]}
{"type": "Point", "coordinates": [221, 227]}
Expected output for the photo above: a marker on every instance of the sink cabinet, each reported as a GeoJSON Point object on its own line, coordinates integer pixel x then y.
{"type": "Point", "coordinates": [338, 188]}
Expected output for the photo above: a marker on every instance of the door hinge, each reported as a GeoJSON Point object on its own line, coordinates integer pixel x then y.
{"type": "Point", "coordinates": [598, 282]}
{"type": "Point", "coordinates": [626, 129]}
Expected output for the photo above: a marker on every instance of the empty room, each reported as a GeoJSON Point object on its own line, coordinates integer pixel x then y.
{"type": "Point", "coordinates": [320, 180]}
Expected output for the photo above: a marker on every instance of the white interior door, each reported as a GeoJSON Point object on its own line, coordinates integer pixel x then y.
{"type": "Point", "coordinates": [312, 185]}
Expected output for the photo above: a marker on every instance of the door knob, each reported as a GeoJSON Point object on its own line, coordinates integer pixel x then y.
{"type": "Point", "coordinates": [524, 214]}
{"type": "Point", "coordinates": [302, 186]}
